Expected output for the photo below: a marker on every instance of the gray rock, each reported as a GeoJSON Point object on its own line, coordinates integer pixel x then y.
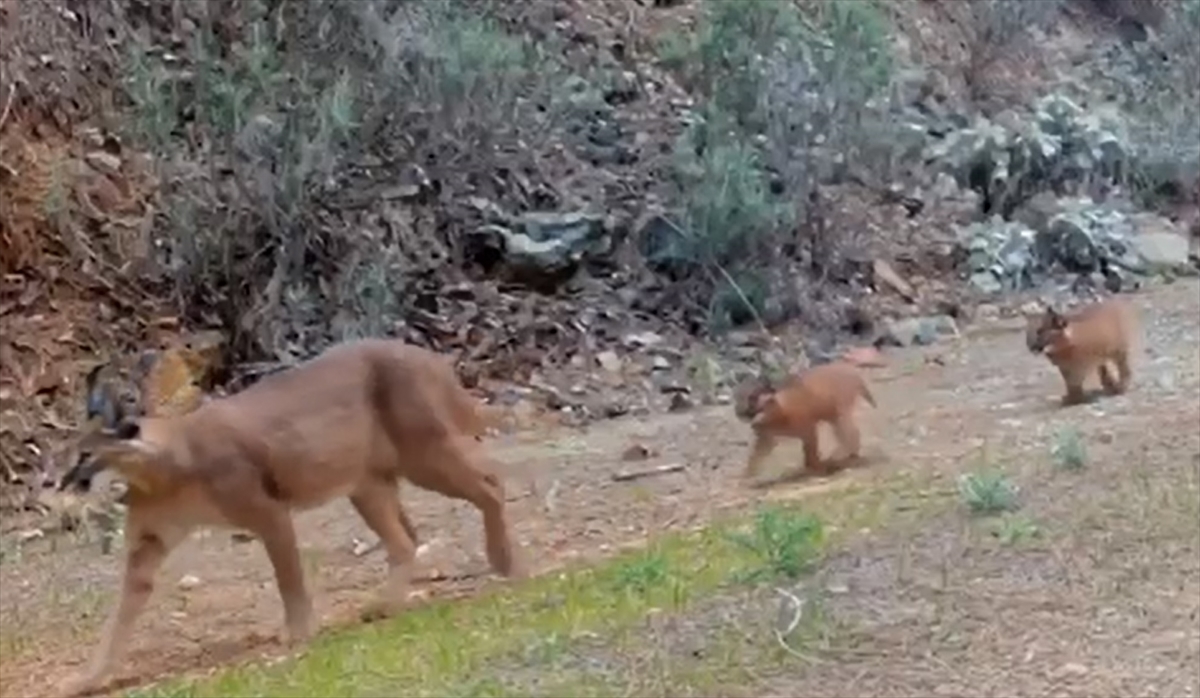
{"type": "Point", "coordinates": [1163, 250]}
{"type": "Point", "coordinates": [642, 339]}
{"type": "Point", "coordinates": [609, 361]}
{"type": "Point", "coordinates": [1037, 211]}
{"type": "Point", "coordinates": [1074, 247]}
{"type": "Point", "coordinates": [986, 282]}
{"type": "Point", "coordinates": [544, 248]}
{"type": "Point", "coordinates": [918, 331]}
{"type": "Point", "coordinates": [1098, 243]}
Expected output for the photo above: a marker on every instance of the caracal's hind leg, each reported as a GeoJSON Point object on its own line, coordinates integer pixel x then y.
{"type": "Point", "coordinates": [764, 444]}
{"type": "Point", "coordinates": [377, 501]}
{"type": "Point", "coordinates": [1120, 384]}
{"type": "Point", "coordinates": [845, 427]}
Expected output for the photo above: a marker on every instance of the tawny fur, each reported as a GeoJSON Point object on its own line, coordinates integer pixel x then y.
{"type": "Point", "coordinates": [1084, 342]}
{"type": "Point", "coordinates": [351, 422]}
{"type": "Point", "coordinates": [827, 393]}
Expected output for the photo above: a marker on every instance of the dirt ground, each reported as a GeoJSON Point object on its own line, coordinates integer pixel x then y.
{"type": "Point", "coordinates": [1065, 614]}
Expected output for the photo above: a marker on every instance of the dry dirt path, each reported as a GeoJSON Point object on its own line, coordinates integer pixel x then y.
{"type": "Point", "coordinates": [934, 415]}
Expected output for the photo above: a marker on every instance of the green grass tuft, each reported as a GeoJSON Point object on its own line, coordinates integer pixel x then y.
{"type": "Point", "coordinates": [1068, 451]}
{"type": "Point", "coordinates": [987, 492]}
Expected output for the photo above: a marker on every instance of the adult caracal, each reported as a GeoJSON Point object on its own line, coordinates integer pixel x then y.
{"type": "Point", "coordinates": [824, 393]}
{"type": "Point", "coordinates": [1083, 342]}
{"type": "Point", "coordinates": [352, 421]}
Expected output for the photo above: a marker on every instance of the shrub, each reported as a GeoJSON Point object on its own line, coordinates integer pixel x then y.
{"type": "Point", "coordinates": [1001, 28]}
{"type": "Point", "coordinates": [987, 492]}
{"type": "Point", "coordinates": [1013, 529]}
{"type": "Point", "coordinates": [640, 574]}
{"type": "Point", "coordinates": [788, 101]}
{"type": "Point", "coordinates": [272, 126]}
{"type": "Point", "coordinates": [1069, 452]}
{"type": "Point", "coordinates": [1155, 82]}
{"type": "Point", "coordinates": [784, 543]}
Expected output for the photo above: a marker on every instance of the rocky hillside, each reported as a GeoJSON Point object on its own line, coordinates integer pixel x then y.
{"type": "Point", "coordinates": [598, 206]}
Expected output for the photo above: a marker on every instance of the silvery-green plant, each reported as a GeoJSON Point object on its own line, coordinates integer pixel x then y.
{"type": "Point", "coordinates": [987, 492]}
{"type": "Point", "coordinates": [1069, 451]}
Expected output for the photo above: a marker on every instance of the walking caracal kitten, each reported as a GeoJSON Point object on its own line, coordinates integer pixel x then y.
{"type": "Point", "coordinates": [1084, 342]}
{"type": "Point", "coordinates": [825, 393]}
{"type": "Point", "coordinates": [350, 422]}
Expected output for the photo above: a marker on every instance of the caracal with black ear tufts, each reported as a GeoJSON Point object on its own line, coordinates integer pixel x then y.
{"type": "Point", "coordinates": [826, 393]}
{"type": "Point", "coordinates": [1086, 341]}
{"type": "Point", "coordinates": [350, 422]}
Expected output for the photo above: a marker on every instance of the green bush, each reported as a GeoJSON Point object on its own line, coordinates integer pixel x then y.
{"type": "Point", "coordinates": [1069, 452]}
{"type": "Point", "coordinates": [789, 99]}
{"type": "Point", "coordinates": [785, 544]}
{"type": "Point", "coordinates": [987, 492]}
{"type": "Point", "coordinates": [1155, 84]}
{"type": "Point", "coordinates": [266, 138]}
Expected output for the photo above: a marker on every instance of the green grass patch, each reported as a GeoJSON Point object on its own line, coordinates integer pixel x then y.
{"type": "Point", "coordinates": [450, 647]}
{"type": "Point", "coordinates": [785, 543]}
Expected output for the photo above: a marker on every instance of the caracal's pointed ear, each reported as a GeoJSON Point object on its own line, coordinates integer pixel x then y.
{"type": "Point", "coordinates": [1056, 319]}
{"type": "Point", "coordinates": [101, 402]}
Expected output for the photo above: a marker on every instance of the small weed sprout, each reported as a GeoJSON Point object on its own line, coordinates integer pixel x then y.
{"type": "Point", "coordinates": [1014, 529]}
{"type": "Point", "coordinates": [987, 492]}
{"type": "Point", "coordinates": [641, 574]}
{"type": "Point", "coordinates": [1069, 452]}
{"type": "Point", "coordinates": [785, 544]}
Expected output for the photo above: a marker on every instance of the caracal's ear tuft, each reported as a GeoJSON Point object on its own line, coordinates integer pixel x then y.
{"type": "Point", "coordinates": [1057, 320]}
{"type": "Point", "coordinates": [102, 402]}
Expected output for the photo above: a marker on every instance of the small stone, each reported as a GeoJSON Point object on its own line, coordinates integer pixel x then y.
{"type": "Point", "coordinates": [920, 331]}
{"type": "Point", "coordinates": [986, 282]}
{"type": "Point", "coordinates": [866, 357]}
{"type": "Point", "coordinates": [987, 311]}
{"type": "Point", "coordinates": [609, 361]}
{"type": "Point", "coordinates": [642, 339]}
{"type": "Point", "coordinates": [104, 161]}
{"type": "Point", "coordinates": [635, 452]}
{"type": "Point", "coordinates": [1072, 669]}
{"type": "Point", "coordinates": [31, 534]}
{"type": "Point", "coordinates": [680, 402]}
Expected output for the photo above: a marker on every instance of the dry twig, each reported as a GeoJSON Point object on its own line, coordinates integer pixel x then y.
{"type": "Point", "coordinates": [628, 475]}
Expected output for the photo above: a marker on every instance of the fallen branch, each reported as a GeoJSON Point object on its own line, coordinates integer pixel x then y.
{"type": "Point", "coordinates": [628, 475]}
